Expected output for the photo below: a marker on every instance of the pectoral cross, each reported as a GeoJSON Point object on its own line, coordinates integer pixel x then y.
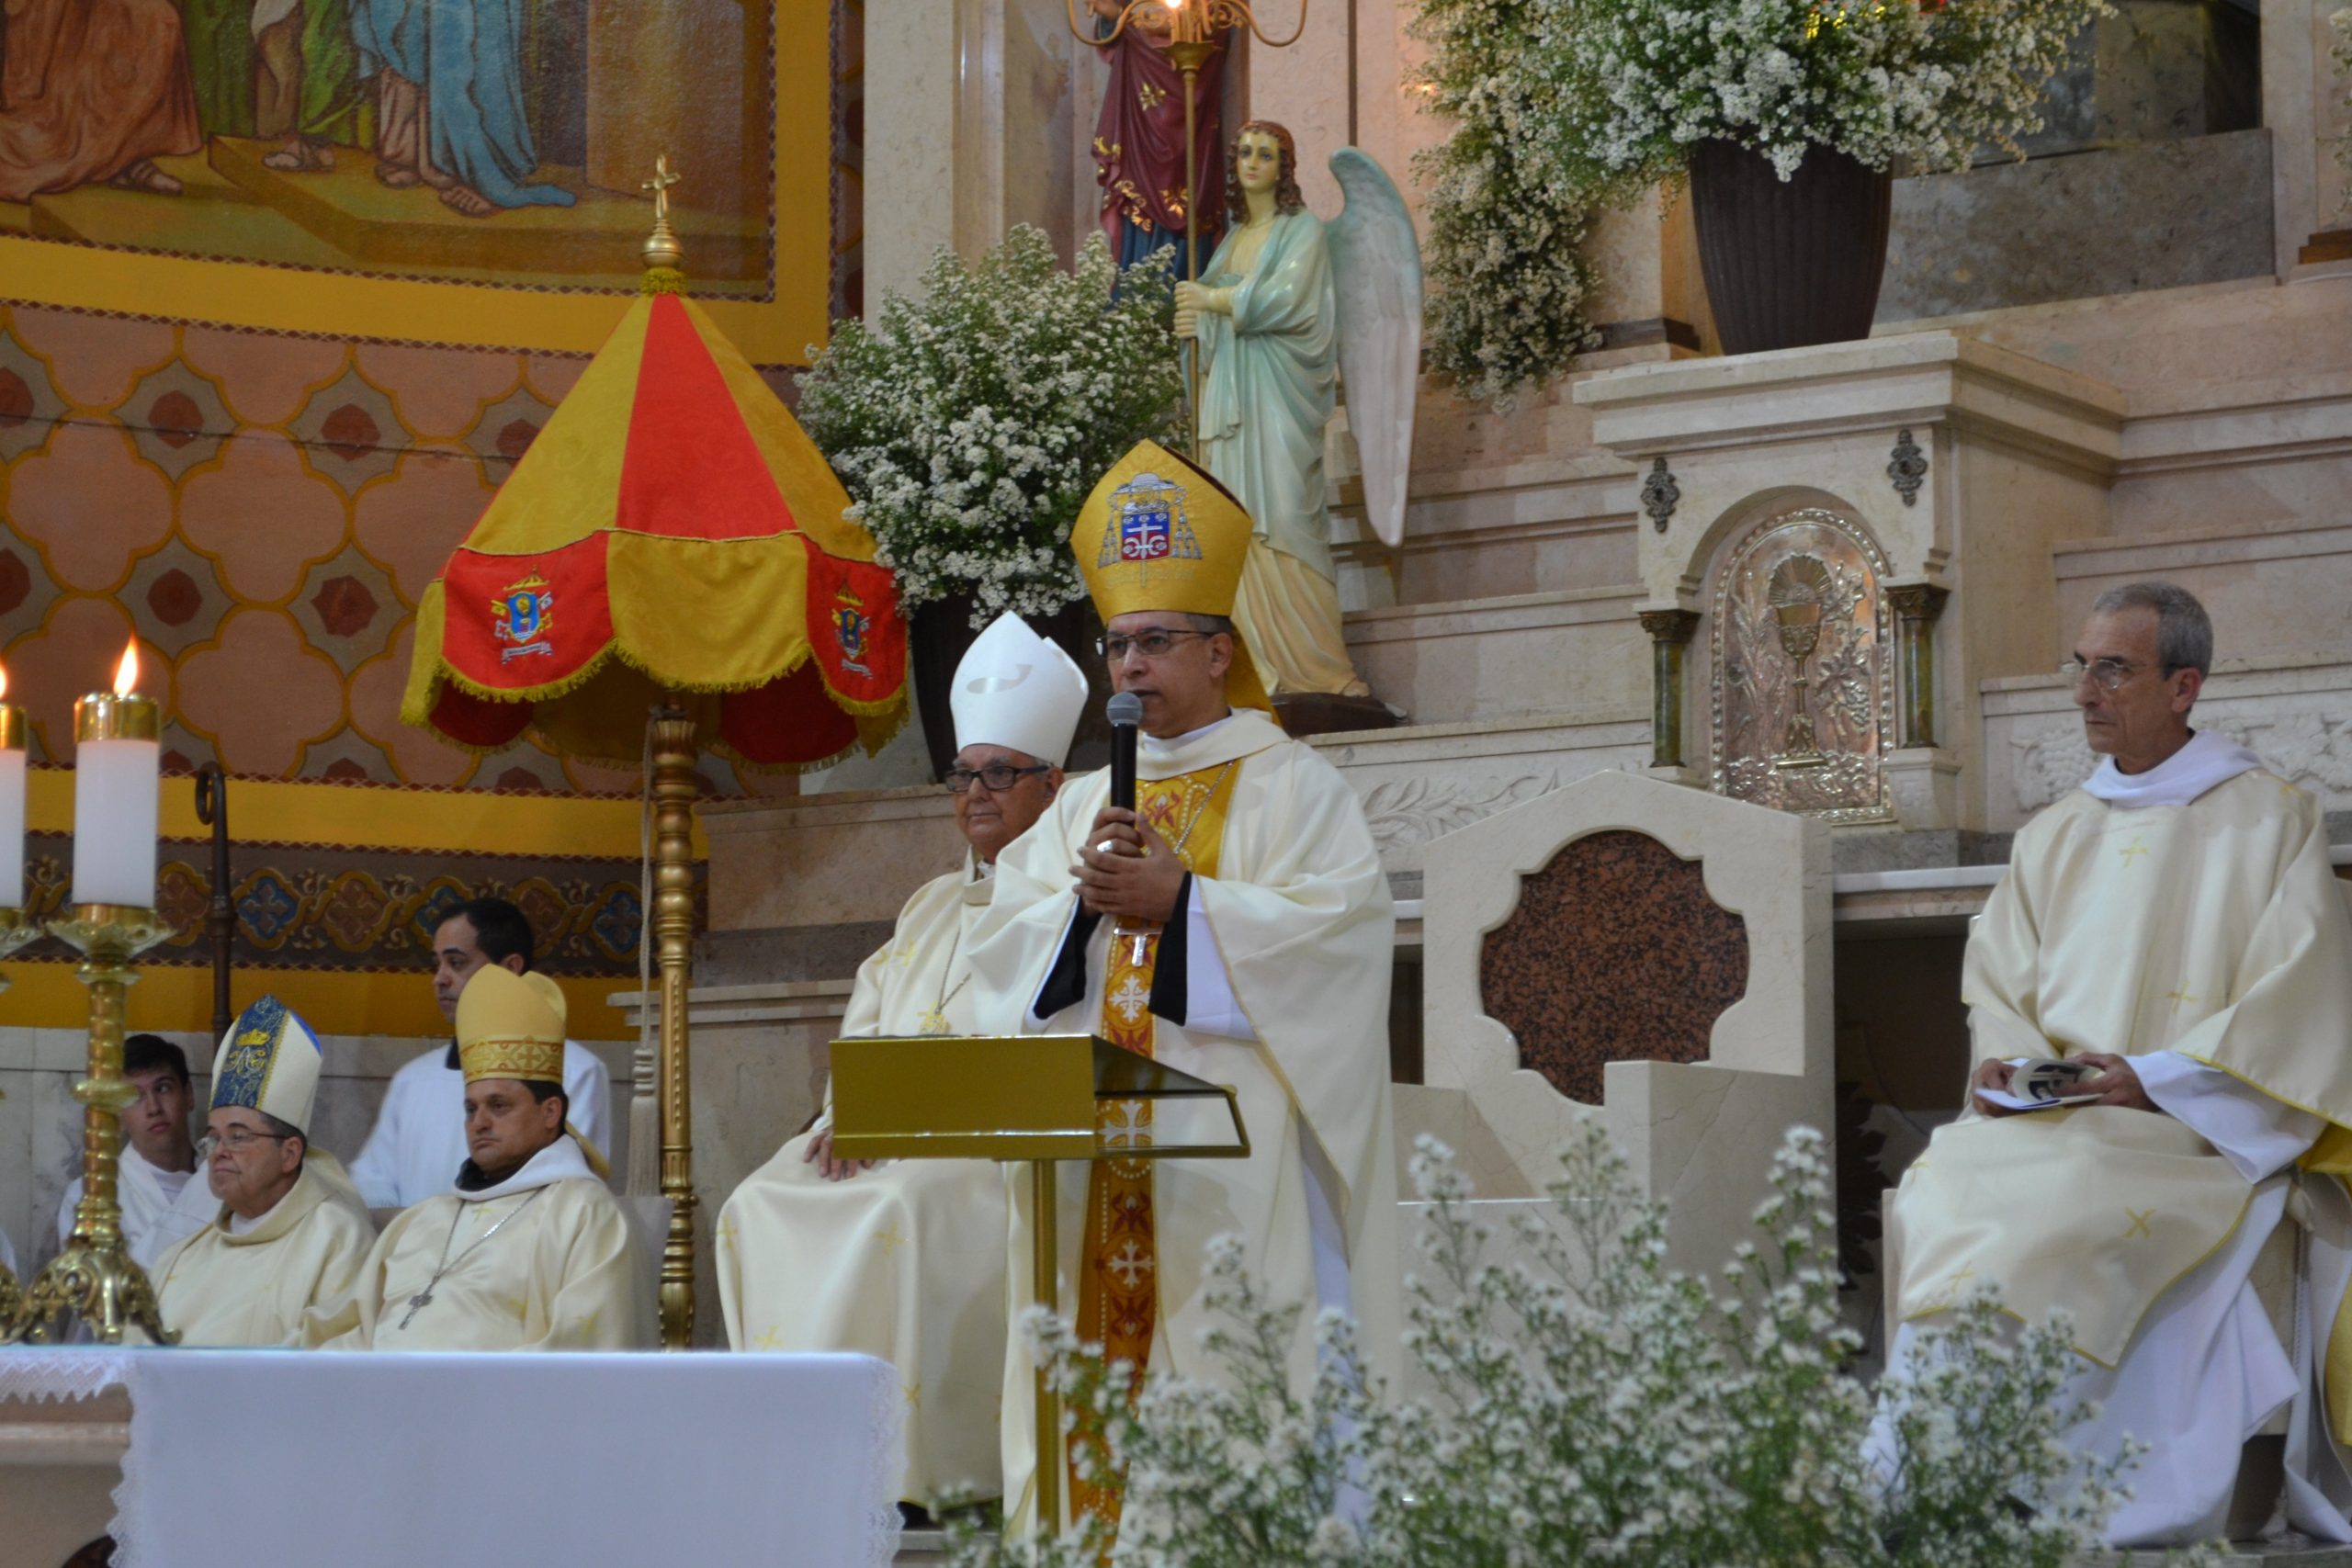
{"type": "Point", "coordinates": [414, 1302]}
{"type": "Point", "coordinates": [664, 178]}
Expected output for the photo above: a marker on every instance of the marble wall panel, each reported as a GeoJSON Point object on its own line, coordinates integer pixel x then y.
{"type": "Point", "coordinates": [2295, 711]}
{"type": "Point", "coordinates": [1498, 658]}
{"type": "Point", "coordinates": [2276, 592]}
{"type": "Point", "coordinates": [827, 859]}
{"type": "Point", "coordinates": [2116, 220]}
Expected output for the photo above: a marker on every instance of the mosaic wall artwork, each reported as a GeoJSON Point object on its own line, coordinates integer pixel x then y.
{"type": "Point", "coordinates": [1615, 953]}
{"type": "Point", "coordinates": [501, 142]}
{"type": "Point", "coordinates": [261, 513]}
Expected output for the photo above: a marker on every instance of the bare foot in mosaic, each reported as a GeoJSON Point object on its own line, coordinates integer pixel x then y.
{"type": "Point", "coordinates": [396, 177]}
{"type": "Point", "coordinates": [468, 203]}
{"type": "Point", "coordinates": [144, 176]}
{"type": "Point", "coordinates": [301, 156]}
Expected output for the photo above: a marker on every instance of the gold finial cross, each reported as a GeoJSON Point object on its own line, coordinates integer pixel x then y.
{"type": "Point", "coordinates": [664, 178]}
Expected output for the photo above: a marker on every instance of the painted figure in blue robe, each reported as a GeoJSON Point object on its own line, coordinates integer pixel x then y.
{"type": "Point", "coordinates": [449, 101]}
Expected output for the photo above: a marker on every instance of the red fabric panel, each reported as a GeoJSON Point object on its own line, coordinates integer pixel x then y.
{"type": "Point", "coordinates": [855, 629]}
{"type": "Point", "coordinates": [471, 720]}
{"type": "Point", "coordinates": [788, 721]}
{"type": "Point", "coordinates": [692, 469]}
{"type": "Point", "coordinates": [558, 615]}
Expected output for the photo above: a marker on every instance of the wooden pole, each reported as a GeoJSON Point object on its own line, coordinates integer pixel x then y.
{"type": "Point", "coordinates": [672, 928]}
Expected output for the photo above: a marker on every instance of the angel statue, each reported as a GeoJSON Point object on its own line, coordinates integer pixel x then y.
{"type": "Point", "coordinates": [1286, 306]}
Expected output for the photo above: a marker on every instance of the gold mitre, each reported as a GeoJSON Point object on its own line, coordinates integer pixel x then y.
{"type": "Point", "coordinates": [511, 1026]}
{"type": "Point", "coordinates": [1160, 534]}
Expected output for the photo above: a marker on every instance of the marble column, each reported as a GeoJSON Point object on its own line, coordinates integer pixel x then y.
{"type": "Point", "coordinates": [1916, 606]}
{"type": "Point", "coordinates": [1670, 632]}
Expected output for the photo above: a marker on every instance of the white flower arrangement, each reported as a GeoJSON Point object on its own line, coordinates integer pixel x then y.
{"type": "Point", "coordinates": [1931, 81]}
{"type": "Point", "coordinates": [1593, 1407]}
{"type": "Point", "coordinates": [1509, 281]}
{"type": "Point", "coordinates": [969, 424]}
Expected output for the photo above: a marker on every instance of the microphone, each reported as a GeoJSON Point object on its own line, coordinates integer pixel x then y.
{"type": "Point", "coordinates": [1125, 712]}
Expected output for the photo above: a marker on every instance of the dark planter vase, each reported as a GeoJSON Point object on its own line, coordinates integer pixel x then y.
{"type": "Point", "coordinates": [941, 632]}
{"type": "Point", "coordinates": [1793, 264]}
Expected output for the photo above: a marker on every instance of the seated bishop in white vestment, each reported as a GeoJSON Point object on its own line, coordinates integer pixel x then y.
{"type": "Point", "coordinates": [1237, 926]}
{"type": "Point", "coordinates": [906, 1260]}
{"type": "Point", "coordinates": [2177, 922]}
{"type": "Point", "coordinates": [289, 1233]}
{"type": "Point", "coordinates": [528, 1250]}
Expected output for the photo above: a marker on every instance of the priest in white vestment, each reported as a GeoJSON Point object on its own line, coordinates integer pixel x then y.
{"type": "Point", "coordinates": [1237, 926]}
{"type": "Point", "coordinates": [291, 1232]}
{"type": "Point", "coordinates": [419, 1140]}
{"type": "Point", "coordinates": [2174, 924]}
{"type": "Point", "coordinates": [528, 1250]}
{"type": "Point", "coordinates": [907, 1261]}
{"type": "Point", "coordinates": [159, 1201]}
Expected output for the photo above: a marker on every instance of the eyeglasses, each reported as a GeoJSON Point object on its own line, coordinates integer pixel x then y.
{"type": "Point", "coordinates": [1152, 644]}
{"type": "Point", "coordinates": [237, 1138]}
{"type": "Point", "coordinates": [2109, 674]}
{"type": "Point", "coordinates": [998, 776]}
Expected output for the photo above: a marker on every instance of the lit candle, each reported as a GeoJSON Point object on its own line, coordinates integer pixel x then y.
{"type": "Point", "coordinates": [12, 801]}
{"type": "Point", "coordinates": [117, 740]}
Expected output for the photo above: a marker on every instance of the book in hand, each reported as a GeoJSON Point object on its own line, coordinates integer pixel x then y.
{"type": "Point", "coordinates": [2041, 1085]}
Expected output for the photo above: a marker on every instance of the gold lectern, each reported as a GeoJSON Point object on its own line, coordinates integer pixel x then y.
{"type": "Point", "coordinates": [1020, 1097]}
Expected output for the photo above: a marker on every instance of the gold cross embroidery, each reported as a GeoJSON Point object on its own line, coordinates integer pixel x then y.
{"type": "Point", "coordinates": [2178, 996]}
{"type": "Point", "coordinates": [770, 1340]}
{"type": "Point", "coordinates": [2132, 851]}
{"type": "Point", "coordinates": [890, 1239]}
{"type": "Point", "coordinates": [2139, 1218]}
{"type": "Point", "coordinates": [913, 1392]}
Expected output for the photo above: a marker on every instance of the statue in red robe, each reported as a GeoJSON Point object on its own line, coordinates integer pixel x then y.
{"type": "Point", "coordinates": [94, 90]}
{"type": "Point", "coordinates": [1139, 140]}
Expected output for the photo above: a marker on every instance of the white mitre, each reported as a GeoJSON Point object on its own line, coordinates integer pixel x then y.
{"type": "Point", "coordinates": [268, 1062]}
{"type": "Point", "coordinates": [1018, 690]}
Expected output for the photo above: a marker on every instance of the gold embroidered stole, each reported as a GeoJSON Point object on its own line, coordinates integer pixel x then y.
{"type": "Point", "coordinates": [1118, 1287]}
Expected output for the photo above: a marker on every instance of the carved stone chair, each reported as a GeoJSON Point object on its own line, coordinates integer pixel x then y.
{"type": "Point", "coordinates": [1644, 949]}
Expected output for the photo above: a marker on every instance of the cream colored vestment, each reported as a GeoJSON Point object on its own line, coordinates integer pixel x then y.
{"type": "Point", "coordinates": [2213, 930]}
{"type": "Point", "coordinates": [220, 1287]}
{"type": "Point", "coordinates": [905, 1261]}
{"type": "Point", "coordinates": [1303, 925]}
{"type": "Point", "coordinates": [2196, 927]}
{"type": "Point", "coordinates": [544, 1261]}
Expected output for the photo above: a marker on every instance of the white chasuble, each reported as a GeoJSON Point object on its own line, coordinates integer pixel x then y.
{"type": "Point", "coordinates": [2213, 930]}
{"type": "Point", "coordinates": [544, 1261]}
{"type": "Point", "coordinates": [1300, 943]}
{"type": "Point", "coordinates": [905, 1261]}
{"type": "Point", "coordinates": [256, 1286]}
{"type": "Point", "coordinates": [2201, 932]}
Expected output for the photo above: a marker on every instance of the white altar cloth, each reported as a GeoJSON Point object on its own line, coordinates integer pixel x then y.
{"type": "Point", "coordinates": [386, 1461]}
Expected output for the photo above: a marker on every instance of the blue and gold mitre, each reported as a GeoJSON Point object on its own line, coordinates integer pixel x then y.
{"type": "Point", "coordinates": [269, 1062]}
{"type": "Point", "coordinates": [1159, 534]}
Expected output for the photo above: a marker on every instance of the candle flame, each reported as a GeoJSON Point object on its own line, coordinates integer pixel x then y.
{"type": "Point", "coordinates": [126, 674]}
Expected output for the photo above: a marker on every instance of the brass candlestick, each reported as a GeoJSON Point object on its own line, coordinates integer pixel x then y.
{"type": "Point", "coordinates": [94, 1278]}
{"type": "Point", "coordinates": [14, 933]}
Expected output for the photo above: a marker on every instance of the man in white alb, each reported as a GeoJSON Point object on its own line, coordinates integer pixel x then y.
{"type": "Point", "coordinates": [419, 1140]}
{"type": "Point", "coordinates": [2175, 925]}
{"type": "Point", "coordinates": [159, 1203]}
{"type": "Point", "coordinates": [907, 1261]}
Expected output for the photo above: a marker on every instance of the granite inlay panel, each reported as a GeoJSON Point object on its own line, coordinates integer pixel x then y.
{"type": "Point", "coordinates": [1614, 954]}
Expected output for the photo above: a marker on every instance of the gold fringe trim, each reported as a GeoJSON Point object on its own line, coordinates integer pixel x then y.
{"type": "Point", "coordinates": [662, 280]}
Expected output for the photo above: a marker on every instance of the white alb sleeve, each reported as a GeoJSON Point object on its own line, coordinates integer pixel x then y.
{"type": "Point", "coordinates": [2254, 1133]}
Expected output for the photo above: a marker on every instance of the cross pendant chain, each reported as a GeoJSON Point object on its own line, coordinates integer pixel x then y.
{"type": "Point", "coordinates": [1141, 940]}
{"type": "Point", "coordinates": [414, 1302]}
{"type": "Point", "coordinates": [424, 1296]}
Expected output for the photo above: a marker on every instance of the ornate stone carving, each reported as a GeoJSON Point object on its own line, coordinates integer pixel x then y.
{"type": "Point", "coordinates": [1801, 699]}
{"type": "Point", "coordinates": [1615, 953]}
{"type": "Point", "coordinates": [1660, 495]}
{"type": "Point", "coordinates": [1909, 468]}
{"type": "Point", "coordinates": [1404, 813]}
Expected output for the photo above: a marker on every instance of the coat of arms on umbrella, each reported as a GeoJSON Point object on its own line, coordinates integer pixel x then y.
{"type": "Point", "coordinates": [851, 627]}
{"type": "Point", "coordinates": [1148, 523]}
{"type": "Point", "coordinates": [525, 613]}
